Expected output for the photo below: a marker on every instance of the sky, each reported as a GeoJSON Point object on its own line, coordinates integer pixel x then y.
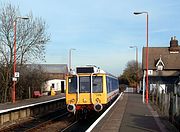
{"type": "Point", "coordinates": [101, 31]}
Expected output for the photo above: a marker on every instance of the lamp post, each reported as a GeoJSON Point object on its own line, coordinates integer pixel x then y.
{"type": "Point", "coordinates": [70, 56]}
{"type": "Point", "coordinates": [139, 13]}
{"type": "Point", "coordinates": [14, 63]}
{"type": "Point", "coordinates": [136, 65]}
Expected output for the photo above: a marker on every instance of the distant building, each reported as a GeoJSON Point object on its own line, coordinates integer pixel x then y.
{"type": "Point", "coordinates": [163, 66]}
{"type": "Point", "coordinates": [55, 71]}
{"type": "Point", "coordinates": [56, 74]}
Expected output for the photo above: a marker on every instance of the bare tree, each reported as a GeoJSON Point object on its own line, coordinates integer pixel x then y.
{"type": "Point", "coordinates": [31, 39]}
{"type": "Point", "coordinates": [129, 76]}
{"type": "Point", "coordinates": [32, 78]}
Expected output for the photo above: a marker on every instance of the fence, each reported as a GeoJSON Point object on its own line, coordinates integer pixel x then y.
{"type": "Point", "coordinates": [169, 105]}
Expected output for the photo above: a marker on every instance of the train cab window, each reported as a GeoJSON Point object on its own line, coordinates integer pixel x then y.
{"type": "Point", "coordinates": [72, 83]}
{"type": "Point", "coordinates": [84, 83]}
{"type": "Point", "coordinates": [97, 84]}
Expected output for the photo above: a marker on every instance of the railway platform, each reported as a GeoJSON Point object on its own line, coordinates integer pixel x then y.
{"type": "Point", "coordinates": [26, 102]}
{"type": "Point", "coordinates": [11, 113]}
{"type": "Point", "coordinates": [129, 114]}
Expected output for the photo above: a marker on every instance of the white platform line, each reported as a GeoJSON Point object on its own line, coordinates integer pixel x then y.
{"type": "Point", "coordinates": [100, 118]}
{"type": "Point", "coordinates": [30, 105]}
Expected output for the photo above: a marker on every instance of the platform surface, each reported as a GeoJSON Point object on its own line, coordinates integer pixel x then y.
{"type": "Point", "coordinates": [9, 105]}
{"type": "Point", "coordinates": [130, 115]}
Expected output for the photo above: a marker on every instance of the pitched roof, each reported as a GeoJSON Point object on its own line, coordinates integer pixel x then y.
{"type": "Point", "coordinates": [52, 68]}
{"type": "Point", "coordinates": [171, 60]}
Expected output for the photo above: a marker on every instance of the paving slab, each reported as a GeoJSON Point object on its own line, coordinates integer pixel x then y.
{"type": "Point", "coordinates": [130, 114]}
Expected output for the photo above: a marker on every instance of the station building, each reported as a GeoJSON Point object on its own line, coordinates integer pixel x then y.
{"type": "Point", "coordinates": [163, 66]}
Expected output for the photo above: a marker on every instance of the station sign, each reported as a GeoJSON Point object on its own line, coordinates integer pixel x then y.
{"type": "Point", "coordinates": [150, 72]}
{"type": "Point", "coordinates": [16, 74]}
{"type": "Point", "coordinates": [14, 79]}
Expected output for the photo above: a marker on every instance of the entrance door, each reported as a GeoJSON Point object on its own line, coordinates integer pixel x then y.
{"type": "Point", "coordinates": [62, 86]}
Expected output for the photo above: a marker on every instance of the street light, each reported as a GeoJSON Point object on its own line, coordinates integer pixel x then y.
{"type": "Point", "coordinates": [14, 64]}
{"type": "Point", "coordinates": [139, 13]}
{"type": "Point", "coordinates": [70, 55]}
{"type": "Point", "coordinates": [136, 65]}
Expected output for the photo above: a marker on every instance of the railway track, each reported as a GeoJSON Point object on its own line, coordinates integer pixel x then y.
{"type": "Point", "coordinates": [70, 126]}
{"type": "Point", "coordinates": [60, 120]}
{"type": "Point", "coordinates": [83, 124]}
{"type": "Point", "coordinates": [47, 123]}
{"type": "Point", "coordinates": [58, 117]}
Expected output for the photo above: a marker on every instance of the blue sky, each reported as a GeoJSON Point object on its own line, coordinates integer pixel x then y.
{"type": "Point", "coordinates": [101, 31]}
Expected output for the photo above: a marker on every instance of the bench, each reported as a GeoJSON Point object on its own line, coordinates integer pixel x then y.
{"type": "Point", "coordinates": [36, 94]}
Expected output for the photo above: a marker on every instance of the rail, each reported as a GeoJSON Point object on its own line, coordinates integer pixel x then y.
{"type": "Point", "coordinates": [16, 113]}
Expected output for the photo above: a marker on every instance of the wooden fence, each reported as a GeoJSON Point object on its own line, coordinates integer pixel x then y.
{"type": "Point", "coordinates": [169, 105]}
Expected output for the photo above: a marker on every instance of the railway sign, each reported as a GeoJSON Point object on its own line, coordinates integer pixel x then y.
{"type": "Point", "coordinates": [14, 79]}
{"type": "Point", "coordinates": [16, 74]}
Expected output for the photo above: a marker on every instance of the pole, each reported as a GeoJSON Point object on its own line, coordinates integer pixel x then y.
{"type": "Point", "coordinates": [138, 13]}
{"type": "Point", "coordinates": [70, 56]}
{"type": "Point", "coordinates": [143, 87]}
{"type": "Point", "coordinates": [29, 92]}
{"type": "Point", "coordinates": [147, 59]}
{"type": "Point", "coordinates": [14, 65]}
{"type": "Point", "coordinates": [136, 65]}
{"type": "Point", "coordinates": [137, 78]}
{"type": "Point", "coordinates": [70, 60]}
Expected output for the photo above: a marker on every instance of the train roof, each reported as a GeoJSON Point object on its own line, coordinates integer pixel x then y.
{"type": "Point", "coordinates": [90, 69]}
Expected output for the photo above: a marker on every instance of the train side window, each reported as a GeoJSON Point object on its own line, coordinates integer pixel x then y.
{"type": "Point", "coordinates": [72, 83]}
{"type": "Point", "coordinates": [111, 83]}
{"type": "Point", "coordinates": [108, 84]}
{"type": "Point", "coordinates": [97, 84]}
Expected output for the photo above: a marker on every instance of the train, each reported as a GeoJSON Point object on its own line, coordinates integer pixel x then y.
{"type": "Point", "coordinates": [90, 89]}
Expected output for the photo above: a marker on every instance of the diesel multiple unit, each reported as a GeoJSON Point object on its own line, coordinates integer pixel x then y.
{"type": "Point", "coordinates": [90, 88]}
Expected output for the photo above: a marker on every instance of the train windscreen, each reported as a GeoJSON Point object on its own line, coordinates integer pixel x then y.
{"type": "Point", "coordinates": [97, 84]}
{"type": "Point", "coordinates": [84, 83]}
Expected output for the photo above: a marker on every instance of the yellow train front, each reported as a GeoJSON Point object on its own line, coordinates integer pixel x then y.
{"type": "Point", "coordinates": [90, 88]}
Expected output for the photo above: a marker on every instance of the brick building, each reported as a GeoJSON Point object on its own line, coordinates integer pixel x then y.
{"type": "Point", "coordinates": [163, 66]}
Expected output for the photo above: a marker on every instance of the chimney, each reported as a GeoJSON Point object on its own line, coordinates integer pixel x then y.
{"type": "Point", "coordinates": [174, 48]}
{"type": "Point", "coordinates": [173, 42]}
